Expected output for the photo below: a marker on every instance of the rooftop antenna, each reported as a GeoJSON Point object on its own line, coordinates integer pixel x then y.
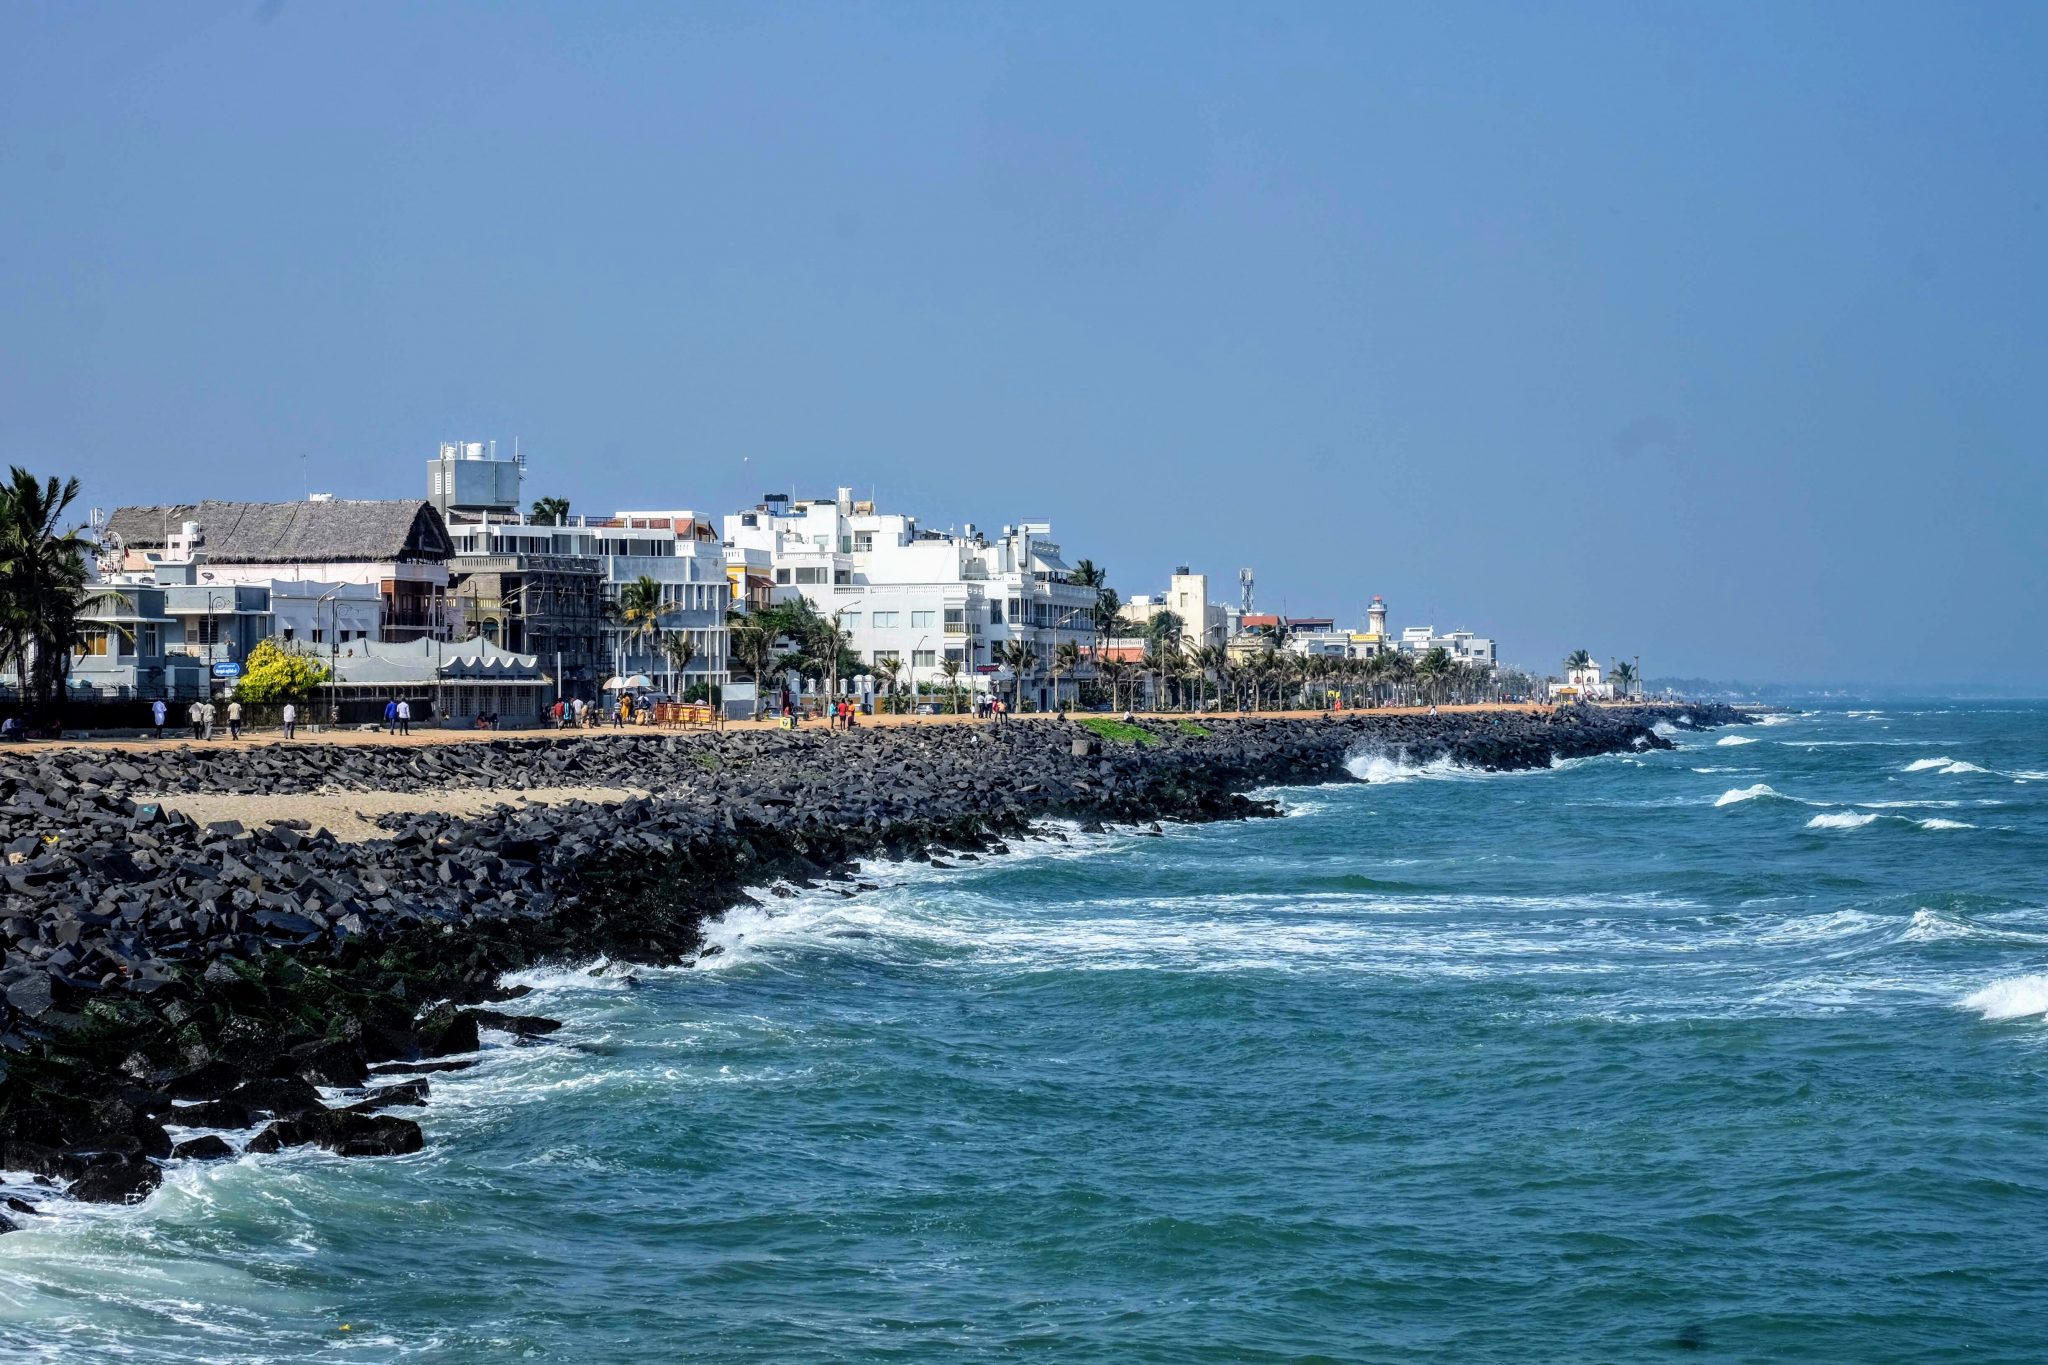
{"type": "Point", "coordinates": [1244, 592]}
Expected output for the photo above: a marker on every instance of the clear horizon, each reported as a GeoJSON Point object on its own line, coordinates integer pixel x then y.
{"type": "Point", "coordinates": [1704, 337]}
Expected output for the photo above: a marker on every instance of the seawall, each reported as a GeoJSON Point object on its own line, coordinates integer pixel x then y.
{"type": "Point", "coordinates": [162, 974]}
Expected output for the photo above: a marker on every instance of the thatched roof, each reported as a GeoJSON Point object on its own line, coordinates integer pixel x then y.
{"type": "Point", "coordinates": [331, 531]}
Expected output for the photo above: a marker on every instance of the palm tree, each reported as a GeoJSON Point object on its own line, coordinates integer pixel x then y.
{"type": "Point", "coordinates": [1108, 606]}
{"type": "Point", "coordinates": [951, 667]}
{"type": "Point", "coordinates": [550, 512]}
{"type": "Point", "coordinates": [640, 608]}
{"type": "Point", "coordinates": [680, 649]}
{"type": "Point", "coordinates": [1433, 670]}
{"type": "Point", "coordinates": [1212, 661]}
{"type": "Point", "coordinates": [1578, 658]}
{"type": "Point", "coordinates": [1088, 574]}
{"type": "Point", "coordinates": [752, 646]}
{"type": "Point", "coordinates": [889, 667]}
{"type": "Point", "coordinates": [42, 585]}
{"type": "Point", "coordinates": [1124, 674]}
{"type": "Point", "coordinates": [1066, 657]}
{"type": "Point", "coordinates": [1020, 658]}
{"type": "Point", "coordinates": [1399, 670]}
{"type": "Point", "coordinates": [1625, 678]}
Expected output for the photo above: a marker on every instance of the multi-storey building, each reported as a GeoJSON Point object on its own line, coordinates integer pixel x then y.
{"type": "Point", "coordinates": [397, 548]}
{"type": "Point", "coordinates": [1462, 645]}
{"type": "Point", "coordinates": [559, 587]}
{"type": "Point", "coordinates": [917, 596]}
{"type": "Point", "coordinates": [1203, 621]}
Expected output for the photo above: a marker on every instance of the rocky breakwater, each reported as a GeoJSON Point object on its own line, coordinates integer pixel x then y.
{"type": "Point", "coordinates": [170, 986]}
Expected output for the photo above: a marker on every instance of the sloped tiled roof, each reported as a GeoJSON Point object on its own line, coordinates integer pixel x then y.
{"type": "Point", "coordinates": [335, 530]}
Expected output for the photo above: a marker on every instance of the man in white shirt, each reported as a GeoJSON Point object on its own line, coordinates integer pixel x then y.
{"type": "Point", "coordinates": [404, 717]}
{"type": "Point", "coordinates": [291, 719]}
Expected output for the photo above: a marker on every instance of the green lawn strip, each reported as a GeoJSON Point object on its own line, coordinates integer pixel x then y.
{"type": "Point", "coordinates": [1118, 730]}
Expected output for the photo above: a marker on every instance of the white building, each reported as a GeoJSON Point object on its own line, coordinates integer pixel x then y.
{"type": "Point", "coordinates": [1462, 645]}
{"type": "Point", "coordinates": [1583, 684]}
{"type": "Point", "coordinates": [1202, 621]}
{"type": "Point", "coordinates": [918, 596]}
{"type": "Point", "coordinates": [678, 550]}
{"type": "Point", "coordinates": [310, 613]}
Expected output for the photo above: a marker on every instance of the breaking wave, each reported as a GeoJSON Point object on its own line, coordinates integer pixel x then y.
{"type": "Point", "coordinates": [1944, 765]}
{"type": "Point", "coordinates": [2016, 997]}
{"type": "Point", "coordinates": [1760, 792]}
{"type": "Point", "coordinates": [1841, 819]}
{"type": "Point", "coordinates": [1727, 741]}
{"type": "Point", "coordinates": [1384, 768]}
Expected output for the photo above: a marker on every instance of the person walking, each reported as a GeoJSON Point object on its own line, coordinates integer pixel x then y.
{"type": "Point", "coordinates": [157, 711]}
{"type": "Point", "coordinates": [404, 716]}
{"type": "Point", "coordinates": [196, 713]}
{"type": "Point", "coordinates": [391, 714]}
{"type": "Point", "coordinates": [234, 720]}
{"type": "Point", "coordinates": [291, 720]}
{"type": "Point", "coordinates": [206, 715]}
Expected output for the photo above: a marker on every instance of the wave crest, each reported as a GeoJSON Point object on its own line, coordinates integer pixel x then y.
{"type": "Point", "coordinates": [1728, 741]}
{"type": "Point", "coordinates": [2016, 997]}
{"type": "Point", "coordinates": [1842, 819]}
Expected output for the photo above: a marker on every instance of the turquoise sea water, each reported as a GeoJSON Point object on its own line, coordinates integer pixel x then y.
{"type": "Point", "coordinates": [1737, 1052]}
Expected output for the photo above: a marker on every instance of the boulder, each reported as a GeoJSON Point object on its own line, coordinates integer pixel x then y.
{"type": "Point", "coordinates": [206, 1148]}
{"type": "Point", "coordinates": [125, 1180]}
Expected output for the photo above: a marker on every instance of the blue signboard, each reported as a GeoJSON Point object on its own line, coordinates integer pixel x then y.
{"type": "Point", "coordinates": [227, 668]}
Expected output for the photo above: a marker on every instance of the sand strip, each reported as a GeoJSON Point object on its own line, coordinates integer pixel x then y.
{"type": "Point", "coordinates": [351, 816]}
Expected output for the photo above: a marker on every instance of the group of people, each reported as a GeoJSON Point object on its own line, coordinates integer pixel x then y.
{"type": "Point", "coordinates": [574, 711]}
{"type": "Point", "coordinates": [202, 716]}
{"type": "Point", "coordinates": [991, 707]}
{"type": "Point", "coordinates": [398, 716]}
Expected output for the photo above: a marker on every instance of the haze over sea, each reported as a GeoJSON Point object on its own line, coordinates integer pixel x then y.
{"type": "Point", "coordinates": [1738, 1048]}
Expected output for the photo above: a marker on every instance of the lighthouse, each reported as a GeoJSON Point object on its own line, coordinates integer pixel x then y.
{"type": "Point", "coordinates": [1376, 616]}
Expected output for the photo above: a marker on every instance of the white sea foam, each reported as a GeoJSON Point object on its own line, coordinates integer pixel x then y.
{"type": "Point", "coordinates": [1760, 791]}
{"type": "Point", "coordinates": [1779, 718]}
{"type": "Point", "coordinates": [1841, 819]}
{"type": "Point", "coordinates": [1936, 822]}
{"type": "Point", "coordinates": [2016, 997]}
{"type": "Point", "coordinates": [1728, 741]}
{"type": "Point", "coordinates": [1665, 728]}
{"type": "Point", "coordinates": [1946, 766]}
{"type": "Point", "coordinates": [1382, 768]}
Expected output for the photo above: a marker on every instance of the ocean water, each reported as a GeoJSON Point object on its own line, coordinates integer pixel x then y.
{"type": "Point", "coordinates": [1738, 1052]}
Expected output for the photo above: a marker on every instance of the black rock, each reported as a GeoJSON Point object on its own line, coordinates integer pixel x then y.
{"type": "Point", "coordinates": [211, 1114]}
{"type": "Point", "coordinates": [208, 1082]}
{"type": "Point", "coordinates": [207, 1148]}
{"type": "Point", "coordinates": [331, 1063]}
{"type": "Point", "coordinates": [129, 1180]}
{"type": "Point", "coordinates": [283, 1096]}
{"type": "Point", "coordinates": [525, 1025]}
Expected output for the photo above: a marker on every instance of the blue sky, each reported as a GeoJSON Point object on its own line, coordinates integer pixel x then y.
{"type": "Point", "coordinates": [1709, 334]}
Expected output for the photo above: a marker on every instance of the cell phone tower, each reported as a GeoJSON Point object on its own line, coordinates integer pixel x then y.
{"type": "Point", "coordinates": [1244, 591]}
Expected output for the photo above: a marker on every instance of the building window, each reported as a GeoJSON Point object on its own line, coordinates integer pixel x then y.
{"type": "Point", "coordinates": [810, 575]}
{"type": "Point", "coordinates": [995, 613]}
{"type": "Point", "coordinates": [850, 620]}
{"type": "Point", "coordinates": [782, 575]}
{"type": "Point", "coordinates": [885, 656]}
{"type": "Point", "coordinates": [885, 620]}
{"type": "Point", "coordinates": [319, 635]}
{"type": "Point", "coordinates": [924, 658]}
{"type": "Point", "coordinates": [921, 620]}
{"type": "Point", "coordinates": [842, 575]}
{"type": "Point", "coordinates": [863, 541]}
{"type": "Point", "coordinates": [955, 653]}
{"type": "Point", "coordinates": [288, 633]}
